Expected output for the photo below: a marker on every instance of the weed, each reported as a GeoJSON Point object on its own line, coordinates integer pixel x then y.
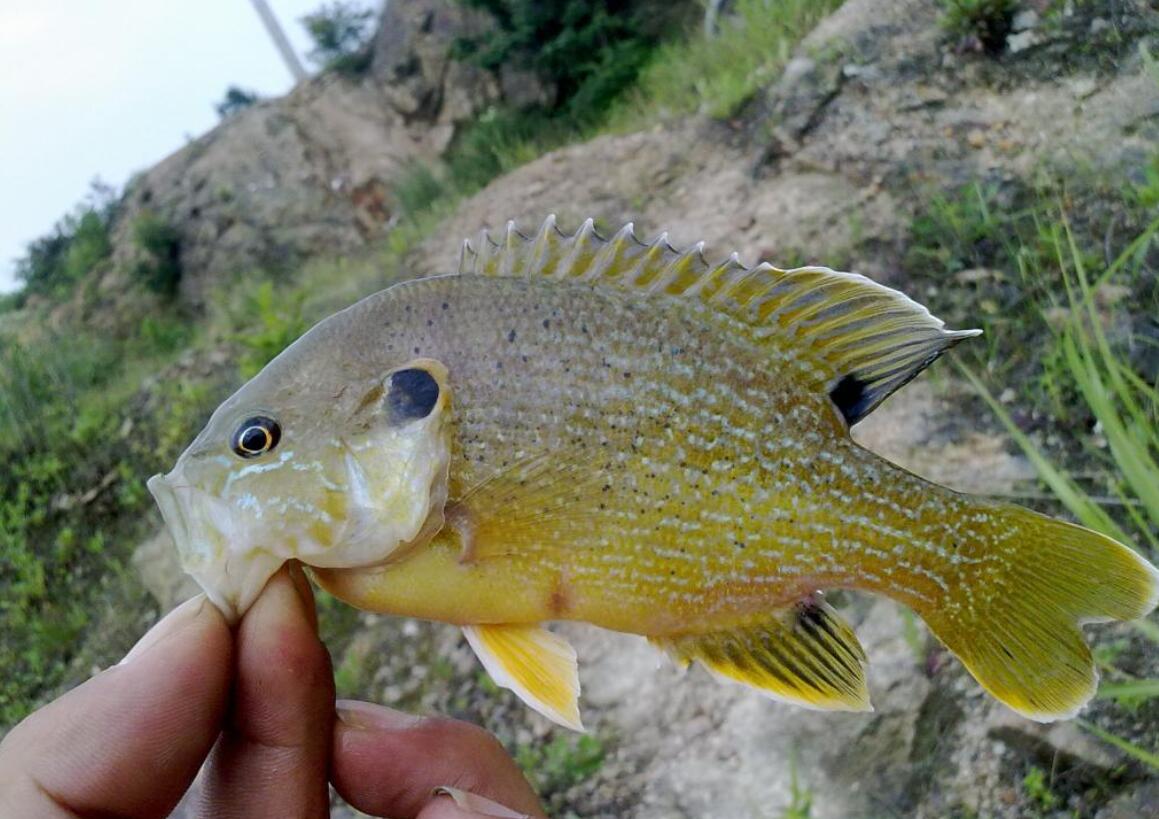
{"type": "Point", "coordinates": [273, 320]}
{"type": "Point", "coordinates": [163, 334]}
{"type": "Point", "coordinates": [1124, 405]}
{"type": "Point", "coordinates": [1146, 192]}
{"type": "Point", "coordinates": [418, 189]}
{"type": "Point", "coordinates": [1149, 758]}
{"type": "Point", "coordinates": [341, 34]}
{"type": "Point", "coordinates": [562, 763]}
{"type": "Point", "coordinates": [499, 140]}
{"type": "Point", "coordinates": [800, 798]}
{"type": "Point", "coordinates": [987, 21]}
{"type": "Point", "coordinates": [159, 243]}
{"type": "Point", "coordinates": [1037, 789]}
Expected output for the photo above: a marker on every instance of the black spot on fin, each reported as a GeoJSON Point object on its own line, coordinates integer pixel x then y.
{"type": "Point", "coordinates": [849, 396]}
{"type": "Point", "coordinates": [804, 654]}
{"type": "Point", "coordinates": [413, 394]}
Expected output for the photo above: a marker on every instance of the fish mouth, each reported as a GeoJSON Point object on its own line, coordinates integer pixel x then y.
{"type": "Point", "coordinates": [171, 511]}
{"type": "Point", "coordinates": [213, 549]}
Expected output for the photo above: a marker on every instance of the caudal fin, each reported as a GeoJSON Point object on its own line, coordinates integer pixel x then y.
{"type": "Point", "coordinates": [1014, 618]}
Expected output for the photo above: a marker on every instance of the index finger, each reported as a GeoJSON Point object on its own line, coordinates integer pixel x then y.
{"type": "Point", "coordinates": [273, 753]}
{"type": "Point", "coordinates": [387, 763]}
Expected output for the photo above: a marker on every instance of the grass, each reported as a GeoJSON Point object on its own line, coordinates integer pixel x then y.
{"type": "Point", "coordinates": [1124, 406]}
{"type": "Point", "coordinates": [1125, 410]}
{"type": "Point", "coordinates": [718, 75]}
{"type": "Point", "coordinates": [1132, 750]}
{"type": "Point", "coordinates": [1038, 790]}
{"type": "Point", "coordinates": [565, 761]}
{"type": "Point", "coordinates": [800, 798]}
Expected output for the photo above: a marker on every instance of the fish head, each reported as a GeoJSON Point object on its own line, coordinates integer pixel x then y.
{"type": "Point", "coordinates": [310, 461]}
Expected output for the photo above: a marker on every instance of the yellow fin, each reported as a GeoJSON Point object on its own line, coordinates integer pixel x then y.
{"type": "Point", "coordinates": [534, 663]}
{"type": "Point", "coordinates": [511, 510]}
{"type": "Point", "coordinates": [806, 655]}
{"type": "Point", "coordinates": [861, 339]}
{"type": "Point", "coordinates": [1014, 620]}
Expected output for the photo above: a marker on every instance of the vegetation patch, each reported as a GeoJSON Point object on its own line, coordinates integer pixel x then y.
{"type": "Point", "coordinates": [559, 765]}
{"type": "Point", "coordinates": [716, 75]}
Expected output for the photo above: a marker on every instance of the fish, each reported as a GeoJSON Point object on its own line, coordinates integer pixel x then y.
{"type": "Point", "coordinates": [618, 432]}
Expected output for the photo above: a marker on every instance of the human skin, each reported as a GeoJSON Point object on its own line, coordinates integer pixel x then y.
{"type": "Point", "coordinates": [254, 710]}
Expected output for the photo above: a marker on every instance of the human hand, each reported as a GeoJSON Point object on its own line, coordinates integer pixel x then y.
{"type": "Point", "coordinates": [254, 711]}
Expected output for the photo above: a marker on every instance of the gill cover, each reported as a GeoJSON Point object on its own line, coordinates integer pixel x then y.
{"type": "Point", "coordinates": [350, 496]}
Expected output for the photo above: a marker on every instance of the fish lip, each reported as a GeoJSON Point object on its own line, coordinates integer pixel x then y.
{"type": "Point", "coordinates": [219, 577]}
{"type": "Point", "coordinates": [164, 493]}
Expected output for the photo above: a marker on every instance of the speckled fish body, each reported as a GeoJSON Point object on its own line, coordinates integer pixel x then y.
{"type": "Point", "coordinates": [676, 477]}
{"type": "Point", "coordinates": [619, 433]}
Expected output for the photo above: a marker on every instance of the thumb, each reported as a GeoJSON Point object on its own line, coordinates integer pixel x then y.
{"type": "Point", "coordinates": [129, 741]}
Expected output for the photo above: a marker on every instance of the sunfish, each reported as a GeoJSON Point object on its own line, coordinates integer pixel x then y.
{"type": "Point", "coordinates": [617, 432]}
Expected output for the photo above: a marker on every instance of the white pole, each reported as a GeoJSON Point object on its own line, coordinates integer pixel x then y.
{"type": "Point", "coordinates": [280, 41]}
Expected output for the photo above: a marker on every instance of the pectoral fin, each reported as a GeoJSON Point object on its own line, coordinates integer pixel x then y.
{"type": "Point", "coordinates": [806, 655]}
{"type": "Point", "coordinates": [534, 663]}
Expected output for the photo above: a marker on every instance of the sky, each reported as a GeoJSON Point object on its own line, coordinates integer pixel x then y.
{"type": "Point", "coordinates": [92, 88]}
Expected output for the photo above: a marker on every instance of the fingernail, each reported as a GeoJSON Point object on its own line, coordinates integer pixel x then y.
{"type": "Point", "coordinates": [366, 716]}
{"type": "Point", "coordinates": [479, 804]}
{"type": "Point", "coordinates": [305, 592]}
{"type": "Point", "coordinates": [168, 625]}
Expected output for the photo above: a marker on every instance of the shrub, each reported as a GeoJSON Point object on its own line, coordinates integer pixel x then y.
{"type": "Point", "coordinates": [159, 267]}
{"type": "Point", "coordinates": [589, 51]}
{"type": "Point", "coordinates": [236, 99]}
{"type": "Point", "coordinates": [987, 20]}
{"type": "Point", "coordinates": [53, 264]}
{"type": "Point", "coordinates": [341, 33]}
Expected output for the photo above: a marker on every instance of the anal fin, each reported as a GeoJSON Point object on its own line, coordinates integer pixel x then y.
{"type": "Point", "coordinates": [534, 663]}
{"type": "Point", "coordinates": [805, 654]}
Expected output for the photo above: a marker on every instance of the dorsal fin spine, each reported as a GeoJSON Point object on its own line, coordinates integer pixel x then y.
{"type": "Point", "coordinates": [547, 235]}
{"type": "Point", "coordinates": [841, 328]}
{"type": "Point", "coordinates": [607, 256]}
{"type": "Point", "coordinates": [637, 276]}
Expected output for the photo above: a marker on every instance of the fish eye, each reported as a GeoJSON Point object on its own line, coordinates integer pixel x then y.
{"type": "Point", "coordinates": [256, 436]}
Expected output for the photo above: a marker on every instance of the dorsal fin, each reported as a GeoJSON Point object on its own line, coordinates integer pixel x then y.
{"type": "Point", "coordinates": [861, 339]}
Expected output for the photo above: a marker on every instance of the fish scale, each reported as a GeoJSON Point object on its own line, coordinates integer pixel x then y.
{"type": "Point", "coordinates": [620, 433]}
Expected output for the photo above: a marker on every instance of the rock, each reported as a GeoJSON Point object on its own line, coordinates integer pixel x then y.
{"type": "Point", "coordinates": [286, 179]}
{"type": "Point", "coordinates": [1142, 800]}
{"type": "Point", "coordinates": [1021, 41]}
{"type": "Point", "coordinates": [412, 62]}
{"type": "Point", "coordinates": [1024, 20]}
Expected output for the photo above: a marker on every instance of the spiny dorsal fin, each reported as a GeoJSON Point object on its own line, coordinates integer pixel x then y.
{"type": "Point", "coordinates": [862, 340]}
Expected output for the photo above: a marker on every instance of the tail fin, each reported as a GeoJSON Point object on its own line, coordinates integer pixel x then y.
{"type": "Point", "coordinates": [1014, 621]}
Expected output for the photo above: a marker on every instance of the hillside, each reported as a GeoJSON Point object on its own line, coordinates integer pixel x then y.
{"type": "Point", "coordinates": [981, 173]}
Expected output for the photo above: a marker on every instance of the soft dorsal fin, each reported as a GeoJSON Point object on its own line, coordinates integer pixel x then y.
{"type": "Point", "coordinates": [862, 340]}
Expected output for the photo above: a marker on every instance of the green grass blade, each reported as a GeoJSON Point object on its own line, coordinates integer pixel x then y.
{"type": "Point", "coordinates": [1077, 501]}
{"type": "Point", "coordinates": [1129, 748]}
{"type": "Point", "coordinates": [1134, 688]}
